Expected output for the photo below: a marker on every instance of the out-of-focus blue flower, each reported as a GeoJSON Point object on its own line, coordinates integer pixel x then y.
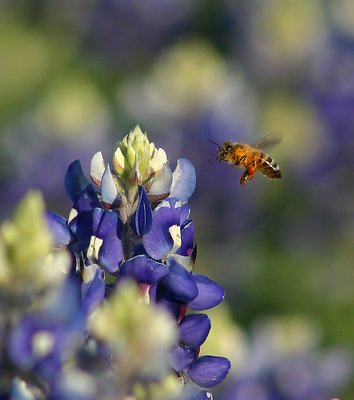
{"type": "Point", "coordinates": [42, 341]}
{"type": "Point", "coordinates": [284, 363]}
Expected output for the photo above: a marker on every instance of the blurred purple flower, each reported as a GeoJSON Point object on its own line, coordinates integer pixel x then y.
{"type": "Point", "coordinates": [44, 340]}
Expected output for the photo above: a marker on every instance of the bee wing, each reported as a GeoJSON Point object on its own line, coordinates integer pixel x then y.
{"type": "Point", "coordinates": [268, 141]}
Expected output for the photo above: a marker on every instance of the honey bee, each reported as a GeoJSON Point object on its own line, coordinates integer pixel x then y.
{"type": "Point", "coordinates": [250, 157]}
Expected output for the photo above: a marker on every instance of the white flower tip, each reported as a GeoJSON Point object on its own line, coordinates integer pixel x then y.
{"type": "Point", "coordinates": [161, 184]}
{"type": "Point", "coordinates": [158, 160]}
{"type": "Point", "coordinates": [97, 168]}
{"type": "Point", "coordinates": [108, 190]}
{"type": "Point", "coordinates": [175, 232]}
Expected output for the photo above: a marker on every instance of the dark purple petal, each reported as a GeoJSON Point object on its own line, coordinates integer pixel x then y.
{"type": "Point", "coordinates": [143, 269]}
{"type": "Point", "coordinates": [108, 233]}
{"type": "Point", "coordinates": [75, 181]}
{"type": "Point", "coordinates": [158, 242]}
{"type": "Point", "coordinates": [181, 357]}
{"type": "Point", "coordinates": [210, 294]}
{"type": "Point", "coordinates": [194, 329]}
{"type": "Point", "coordinates": [208, 371]}
{"type": "Point", "coordinates": [81, 222]}
{"type": "Point", "coordinates": [93, 291]}
{"type": "Point", "coordinates": [179, 283]}
{"type": "Point", "coordinates": [183, 180]}
{"type": "Point", "coordinates": [142, 219]}
{"type": "Point", "coordinates": [59, 229]}
{"type": "Point", "coordinates": [87, 200]}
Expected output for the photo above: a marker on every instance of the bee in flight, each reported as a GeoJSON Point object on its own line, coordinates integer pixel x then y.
{"type": "Point", "coordinates": [250, 157]}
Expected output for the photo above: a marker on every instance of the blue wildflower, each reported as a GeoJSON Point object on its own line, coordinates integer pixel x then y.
{"type": "Point", "coordinates": [133, 222]}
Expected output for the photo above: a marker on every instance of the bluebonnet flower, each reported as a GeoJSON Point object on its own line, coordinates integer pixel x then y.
{"type": "Point", "coordinates": [133, 223]}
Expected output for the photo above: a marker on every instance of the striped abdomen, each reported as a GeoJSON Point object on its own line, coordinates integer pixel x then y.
{"type": "Point", "coordinates": [268, 167]}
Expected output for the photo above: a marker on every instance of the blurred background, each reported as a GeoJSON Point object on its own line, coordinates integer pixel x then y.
{"type": "Point", "coordinates": [75, 77]}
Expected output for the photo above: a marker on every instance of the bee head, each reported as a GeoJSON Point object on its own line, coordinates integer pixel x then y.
{"type": "Point", "coordinates": [224, 150]}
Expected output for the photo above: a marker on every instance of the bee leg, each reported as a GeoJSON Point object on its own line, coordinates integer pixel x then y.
{"type": "Point", "coordinates": [248, 174]}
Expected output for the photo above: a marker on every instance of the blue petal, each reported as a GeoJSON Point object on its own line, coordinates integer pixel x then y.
{"type": "Point", "coordinates": [179, 283]}
{"type": "Point", "coordinates": [75, 181]}
{"type": "Point", "coordinates": [142, 219]}
{"type": "Point", "coordinates": [194, 329]}
{"type": "Point", "coordinates": [210, 293]}
{"type": "Point", "coordinates": [143, 269]}
{"type": "Point", "coordinates": [93, 292]}
{"type": "Point", "coordinates": [183, 181]}
{"type": "Point", "coordinates": [111, 250]}
{"type": "Point", "coordinates": [158, 242]}
{"type": "Point", "coordinates": [208, 371]}
{"type": "Point", "coordinates": [87, 200]}
{"type": "Point", "coordinates": [59, 229]}
{"type": "Point", "coordinates": [181, 357]}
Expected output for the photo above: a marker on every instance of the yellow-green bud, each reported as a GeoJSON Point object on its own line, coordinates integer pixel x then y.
{"type": "Point", "coordinates": [27, 237]}
{"type": "Point", "coordinates": [26, 257]}
{"type": "Point", "coordinates": [136, 160]}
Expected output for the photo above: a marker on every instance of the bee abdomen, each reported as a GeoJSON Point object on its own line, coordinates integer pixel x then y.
{"type": "Point", "coordinates": [269, 168]}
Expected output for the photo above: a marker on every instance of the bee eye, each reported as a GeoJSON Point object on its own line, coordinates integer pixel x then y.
{"type": "Point", "coordinates": [228, 148]}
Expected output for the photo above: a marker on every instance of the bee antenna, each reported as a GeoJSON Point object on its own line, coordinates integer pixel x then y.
{"type": "Point", "coordinates": [212, 141]}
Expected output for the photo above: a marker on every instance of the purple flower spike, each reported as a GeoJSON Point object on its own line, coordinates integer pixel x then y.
{"type": "Point", "coordinates": [143, 269]}
{"type": "Point", "coordinates": [183, 180]}
{"type": "Point", "coordinates": [142, 219]}
{"type": "Point", "coordinates": [181, 357]}
{"type": "Point", "coordinates": [105, 245]}
{"type": "Point", "coordinates": [59, 229]}
{"type": "Point", "coordinates": [75, 181]}
{"type": "Point", "coordinates": [194, 329]}
{"type": "Point", "coordinates": [179, 283]}
{"type": "Point", "coordinates": [208, 371]}
{"type": "Point", "coordinates": [210, 294]}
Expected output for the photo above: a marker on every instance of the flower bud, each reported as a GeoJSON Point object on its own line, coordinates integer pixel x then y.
{"type": "Point", "coordinates": [137, 161]}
